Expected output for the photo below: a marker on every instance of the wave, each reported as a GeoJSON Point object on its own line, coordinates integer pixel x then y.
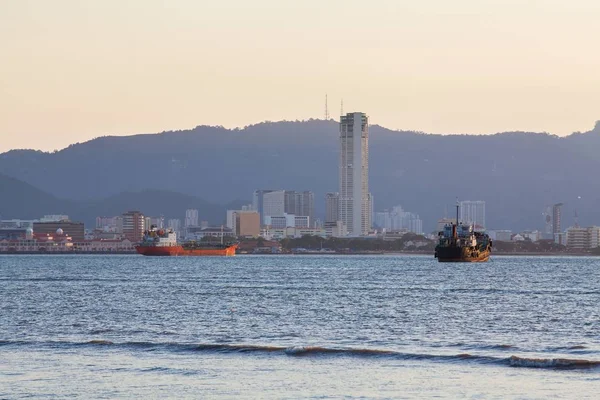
{"type": "Point", "coordinates": [319, 351]}
{"type": "Point", "coordinates": [555, 363]}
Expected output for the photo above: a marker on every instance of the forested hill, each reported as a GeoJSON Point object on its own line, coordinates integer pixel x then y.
{"type": "Point", "coordinates": [516, 173]}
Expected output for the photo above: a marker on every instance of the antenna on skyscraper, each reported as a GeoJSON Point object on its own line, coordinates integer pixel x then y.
{"type": "Point", "coordinates": [326, 109]}
{"type": "Point", "coordinates": [342, 108]}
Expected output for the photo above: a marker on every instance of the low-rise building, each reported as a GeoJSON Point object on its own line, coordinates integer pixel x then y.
{"type": "Point", "coordinates": [197, 233]}
{"type": "Point", "coordinates": [335, 229]}
{"type": "Point", "coordinates": [534, 236]}
{"type": "Point", "coordinates": [583, 238]}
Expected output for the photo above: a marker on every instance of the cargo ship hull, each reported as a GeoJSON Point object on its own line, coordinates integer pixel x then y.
{"type": "Point", "coordinates": [181, 251]}
{"type": "Point", "coordinates": [461, 254]}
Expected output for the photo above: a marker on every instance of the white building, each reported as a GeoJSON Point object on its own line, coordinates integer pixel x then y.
{"type": "Point", "coordinates": [534, 236]}
{"type": "Point", "coordinates": [473, 213]}
{"type": "Point", "coordinates": [502, 235]}
{"type": "Point", "coordinates": [397, 219]}
{"type": "Point", "coordinates": [287, 221]}
{"type": "Point", "coordinates": [110, 224]}
{"type": "Point", "coordinates": [17, 223]}
{"type": "Point", "coordinates": [583, 238]}
{"type": "Point", "coordinates": [354, 205]}
{"type": "Point", "coordinates": [191, 218]}
{"type": "Point", "coordinates": [54, 218]}
{"type": "Point", "coordinates": [273, 205]}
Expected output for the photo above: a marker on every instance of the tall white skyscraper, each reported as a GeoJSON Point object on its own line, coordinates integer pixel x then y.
{"type": "Point", "coordinates": [354, 200]}
{"type": "Point", "coordinates": [473, 212]}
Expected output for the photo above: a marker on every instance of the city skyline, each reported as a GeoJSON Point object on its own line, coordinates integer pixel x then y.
{"type": "Point", "coordinates": [120, 68]}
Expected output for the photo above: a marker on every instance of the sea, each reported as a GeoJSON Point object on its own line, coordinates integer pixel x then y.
{"type": "Point", "coordinates": [305, 326]}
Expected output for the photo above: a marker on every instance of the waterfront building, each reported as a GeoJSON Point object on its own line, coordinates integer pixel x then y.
{"type": "Point", "coordinates": [501, 235]}
{"type": "Point", "coordinates": [272, 233]}
{"type": "Point", "coordinates": [54, 218]}
{"type": "Point", "coordinates": [473, 213]}
{"type": "Point", "coordinates": [133, 226]}
{"type": "Point", "coordinates": [288, 221]}
{"type": "Point", "coordinates": [17, 223]}
{"type": "Point", "coordinates": [72, 229]}
{"type": "Point", "coordinates": [583, 238]}
{"type": "Point", "coordinates": [335, 229]}
{"type": "Point", "coordinates": [217, 232]}
{"type": "Point", "coordinates": [354, 207]}
{"type": "Point", "coordinates": [246, 223]}
{"type": "Point", "coordinates": [534, 236]}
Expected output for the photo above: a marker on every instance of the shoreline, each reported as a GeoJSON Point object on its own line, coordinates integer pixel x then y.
{"type": "Point", "coordinates": [391, 253]}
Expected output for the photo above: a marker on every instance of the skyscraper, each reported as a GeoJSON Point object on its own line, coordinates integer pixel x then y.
{"type": "Point", "coordinates": [332, 207]}
{"type": "Point", "coordinates": [556, 218]}
{"type": "Point", "coordinates": [354, 173]}
{"type": "Point", "coordinates": [473, 212]}
{"type": "Point", "coordinates": [304, 205]}
{"type": "Point", "coordinates": [257, 201]}
{"type": "Point", "coordinates": [275, 203]}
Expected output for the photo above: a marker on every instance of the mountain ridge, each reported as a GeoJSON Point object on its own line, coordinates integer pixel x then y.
{"type": "Point", "coordinates": [516, 173]}
{"type": "Point", "coordinates": [23, 201]}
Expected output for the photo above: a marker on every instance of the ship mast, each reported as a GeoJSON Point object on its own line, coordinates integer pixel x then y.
{"type": "Point", "coordinates": [457, 211]}
{"type": "Point", "coordinates": [455, 227]}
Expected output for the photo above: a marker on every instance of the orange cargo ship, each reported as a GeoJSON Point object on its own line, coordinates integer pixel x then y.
{"type": "Point", "coordinates": [158, 242]}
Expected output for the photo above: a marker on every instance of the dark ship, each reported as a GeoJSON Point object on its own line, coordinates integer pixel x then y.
{"type": "Point", "coordinates": [460, 243]}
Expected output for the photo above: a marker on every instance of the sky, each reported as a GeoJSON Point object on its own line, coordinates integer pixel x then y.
{"type": "Point", "coordinates": [72, 70]}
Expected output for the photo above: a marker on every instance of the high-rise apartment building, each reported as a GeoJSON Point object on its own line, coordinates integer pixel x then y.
{"type": "Point", "coordinates": [133, 226]}
{"type": "Point", "coordinates": [304, 205]}
{"type": "Point", "coordinates": [556, 211]}
{"type": "Point", "coordinates": [257, 200]}
{"type": "Point", "coordinates": [191, 218]}
{"type": "Point", "coordinates": [473, 213]}
{"type": "Point", "coordinates": [354, 207]}
{"type": "Point", "coordinates": [275, 203]}
{"type": "Point", "coordinates": [332, 207]}
{"type": "Point", "coordinates": [397, 219]}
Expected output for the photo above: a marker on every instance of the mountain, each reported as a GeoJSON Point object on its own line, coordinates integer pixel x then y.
{"type": "Point", "coordinates": [152, 203]}
{"type": "Point", "coordinates": [516, 173]}
{"type": "Point", "coordinates": [23, 201]}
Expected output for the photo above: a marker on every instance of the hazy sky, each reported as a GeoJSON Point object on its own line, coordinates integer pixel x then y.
{"type": "Point", "coordinates": [71, 70]}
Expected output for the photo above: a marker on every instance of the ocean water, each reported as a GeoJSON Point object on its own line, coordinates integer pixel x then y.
{"type": "Point", "coordinates": [298, 327]}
